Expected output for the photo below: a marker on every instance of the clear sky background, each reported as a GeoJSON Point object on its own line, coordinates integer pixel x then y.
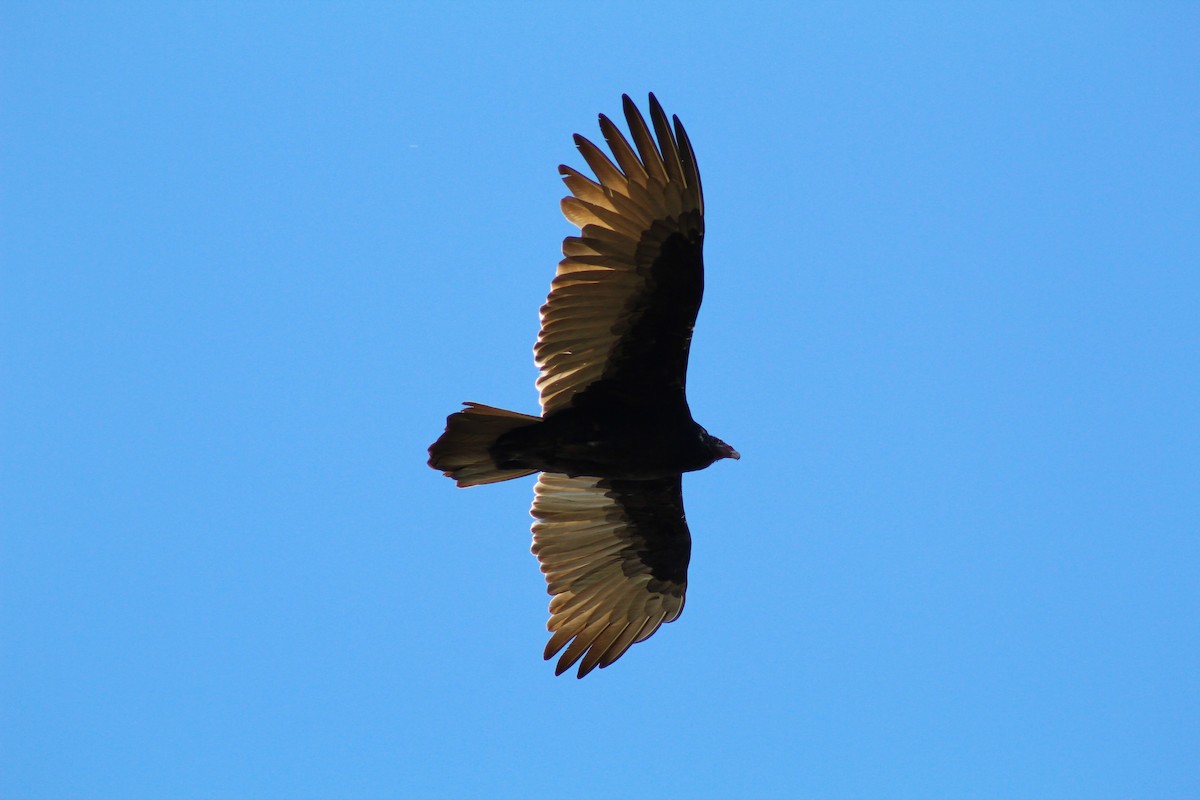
{"type": "Point", "coordinates": [253, 255]}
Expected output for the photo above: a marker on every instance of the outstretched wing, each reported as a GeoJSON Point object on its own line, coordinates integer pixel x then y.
{"type": "Point", "coordinates": [624, 300]}
{"type": "Point", "coordinates": [615, 555]}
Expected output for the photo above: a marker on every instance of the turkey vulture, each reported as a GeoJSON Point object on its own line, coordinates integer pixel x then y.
{"type": "Point", "coordinates": [616, 433]}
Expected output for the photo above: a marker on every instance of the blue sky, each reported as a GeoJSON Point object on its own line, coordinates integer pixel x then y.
{"type": "Point", "coordinates": [253, 254]}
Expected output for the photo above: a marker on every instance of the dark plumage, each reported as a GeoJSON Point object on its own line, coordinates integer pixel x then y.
{"type": "Point", "coordinates": [616, 432]}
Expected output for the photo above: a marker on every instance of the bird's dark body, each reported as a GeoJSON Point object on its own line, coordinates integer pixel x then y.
{"type": "Point", "coordinates": [610, 440]}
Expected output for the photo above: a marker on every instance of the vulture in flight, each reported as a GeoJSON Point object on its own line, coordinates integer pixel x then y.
{"type": "Point", "coordinates": [615, 433]}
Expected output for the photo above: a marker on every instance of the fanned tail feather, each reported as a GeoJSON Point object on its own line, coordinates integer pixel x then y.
{"type": "Point", "coordinates": [463, 452]}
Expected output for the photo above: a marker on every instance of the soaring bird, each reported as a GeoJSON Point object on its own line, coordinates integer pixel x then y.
{"type": "Point", "coordinates": [615, 433]}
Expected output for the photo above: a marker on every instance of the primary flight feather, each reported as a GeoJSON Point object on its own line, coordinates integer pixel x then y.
{"type": "Point", "coordinates": [616, 433]}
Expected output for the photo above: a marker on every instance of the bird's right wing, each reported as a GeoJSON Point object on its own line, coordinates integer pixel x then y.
{"type": "Point", "coordinates": [615, 555]}
{"type": "Point", "coordinates": [624, 300]}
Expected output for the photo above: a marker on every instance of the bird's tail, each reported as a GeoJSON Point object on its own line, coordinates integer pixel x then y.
{"type": "Point", "coordinates": [463, 452]}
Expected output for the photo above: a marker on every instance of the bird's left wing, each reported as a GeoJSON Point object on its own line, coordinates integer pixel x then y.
{"type": "Point", "coordinates": [622, 306]}
{"type": "Point", "coordinates": [615, 555]}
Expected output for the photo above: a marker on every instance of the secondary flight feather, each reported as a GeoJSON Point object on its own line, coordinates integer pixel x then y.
{"type": "Point", "coordinates": [615, 433]}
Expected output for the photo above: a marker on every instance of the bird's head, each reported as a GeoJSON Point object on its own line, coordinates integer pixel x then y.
{"type": "Point", "coordinates": [721, 450]}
